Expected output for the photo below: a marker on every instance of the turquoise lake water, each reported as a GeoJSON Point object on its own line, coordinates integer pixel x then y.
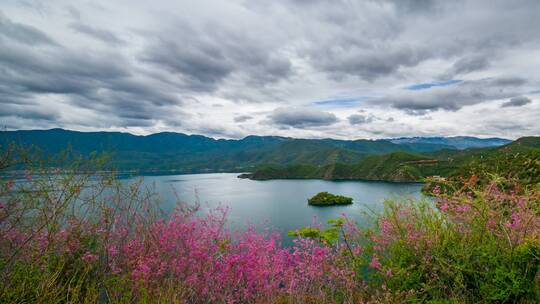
{"type": "Point", "coordinates": [277, 204]}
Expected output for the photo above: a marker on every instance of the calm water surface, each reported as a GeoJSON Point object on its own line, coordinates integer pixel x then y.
{"type": "Point", "coordinates": [278, 204]}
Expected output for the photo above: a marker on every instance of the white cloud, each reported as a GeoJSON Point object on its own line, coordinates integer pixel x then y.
{"type": "Point", "coordinates": [165, 65]}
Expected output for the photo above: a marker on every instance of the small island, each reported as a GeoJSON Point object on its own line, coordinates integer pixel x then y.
{"type": "Point", "coordinates": [329, 199]}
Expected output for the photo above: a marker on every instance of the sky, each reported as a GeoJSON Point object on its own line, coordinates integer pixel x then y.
{"type": "Point", "coordinates": [298, 68]}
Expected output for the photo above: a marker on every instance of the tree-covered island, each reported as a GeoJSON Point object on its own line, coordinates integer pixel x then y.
{"type": "Point", "coordinates": [329, 199]}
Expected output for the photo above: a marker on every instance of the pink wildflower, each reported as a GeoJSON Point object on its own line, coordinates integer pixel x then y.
{"type": "Point", "coordinates": [514, 222]}
{"type": "Point", "coordinates": [375, 263]}
{"type": "Point", "coordinates": [357, 250]}
{"type": "Point", "coordinates": [386, 227]}
{"type": "Point", "coordinates": [115, 268]}
{"type": "Point", "coordinates": [112, 250]}
{"type": "Point", "coordinates": [89, 257]}
{"type": "Point", "coordinates": [444, 207]}
{"type": "Point", "coordinates": [463, 208]}
{"type": "Point", "coordinates": [491, 223]}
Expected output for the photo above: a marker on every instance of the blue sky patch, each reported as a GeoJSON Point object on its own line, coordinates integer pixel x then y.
{"type": "Point", "coordinates": [341, 102]}
{"type": "Point", "coordinates": [427, 85]}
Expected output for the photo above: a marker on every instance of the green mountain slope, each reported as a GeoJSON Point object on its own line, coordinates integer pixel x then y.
{"type": "Point", "coordinates": [456, 142]}
{"type": "Point", "coordinates": [396, 166]}
{"type": "Point", "coordinates": [519, 159]}
{"type": "Point", "coordinates": [184, 153]}
{"type": "Point", "coordinates": [268, 156]}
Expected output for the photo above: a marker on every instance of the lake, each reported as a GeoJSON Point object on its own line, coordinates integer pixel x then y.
{"type": "Point", "coordinates": [278, 204]}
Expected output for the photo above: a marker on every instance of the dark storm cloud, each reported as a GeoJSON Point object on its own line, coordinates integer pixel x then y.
{"type": "Point", "coordinates": [100, 81]}
{"type": "Point", "coordinates": [56, 70]}
{"type": "Point", "coordinates": [471, 64]}
{"type": "Point", "coordinates": [454, 97]}
{"type": "Point", "coordinates": [508, 81]}
{"type": "Point", "coordinates": [242, 118]}
{"type": "Point", "coordinates": [518, 101]}
{"type": "Point", "coordinates": [203, 60]}
{"type": "Point", "coordinates": [503, 127]}
{"type": "Point", "coordinates": [301, 117]}
{"type": "Point", "coordinates": [200, 67]}
{"type": "Point", "coordinates": [73, 12]}
{"type": "Point", "coordinates": [468, 65]}
{"type": "Point", "coordinates": [416, 112]}
{"type": "Point", "coordinates": [358, 119]}
{"type": "Point", "coordinates": [32, 66]}
{"type": "Point", "coordinates": [403, 40]}
{"type": "Point", "coordinates": [342, 44]}
{"type": "Point", "coordinates": [368, 64]}
{"type": "Point", "coordinates": [410, 6]}
{"type": "Point", "coordinates": [29, 112]}
{"type": "Point", "coordinates": [97, 33]}
{"type": "Point", "coordinates": [22, 33]}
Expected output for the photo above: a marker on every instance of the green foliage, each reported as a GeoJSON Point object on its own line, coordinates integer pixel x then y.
{"type": "Point", "coordinates": [328, 199]}
{"type": "Point", "coordinates": [328, 236]}
{"type": "Point", "coordinates": [474, 256]}
{"type": "Point", "coordinates": [58, 281]}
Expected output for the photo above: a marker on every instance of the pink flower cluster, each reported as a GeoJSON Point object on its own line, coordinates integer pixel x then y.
{"type": "Point", "coordinates": [504, 213]}
{"type": "Point", "coordinates": [209, 261]}
{"type": "Point", "coordinates": [198, 255]}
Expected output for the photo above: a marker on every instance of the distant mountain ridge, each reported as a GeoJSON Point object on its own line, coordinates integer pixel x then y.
{"type": "Point", "coordinates": [169, 151]}
{"type": "Point", "coordinates": [458, 142]}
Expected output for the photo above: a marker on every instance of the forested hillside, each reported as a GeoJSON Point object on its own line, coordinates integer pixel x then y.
{"type": "Point", "coordinates": [519, 159]}
{"type": "Point", "coordinates": [270, 156]}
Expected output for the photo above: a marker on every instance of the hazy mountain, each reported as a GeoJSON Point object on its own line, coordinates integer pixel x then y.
{"type": "Point", "coordinates": [457, 142]}
{"type": "Point", "coordinates": [197, 153]}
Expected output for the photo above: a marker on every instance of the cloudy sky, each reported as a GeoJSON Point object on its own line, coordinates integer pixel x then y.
{"type": "Point", "coordinates": [341, 69]}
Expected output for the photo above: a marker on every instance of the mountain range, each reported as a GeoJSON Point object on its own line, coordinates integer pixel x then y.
{"type": "Point", "coordinates": [181, 153]}
{"type": "Point", "coordinates": [457, 142]}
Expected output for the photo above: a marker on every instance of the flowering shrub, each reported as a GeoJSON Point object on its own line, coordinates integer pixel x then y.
{"type": "Point", "coordinates": [477, 245]}
{"type": "Point", "coordinates": [81, 237]}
